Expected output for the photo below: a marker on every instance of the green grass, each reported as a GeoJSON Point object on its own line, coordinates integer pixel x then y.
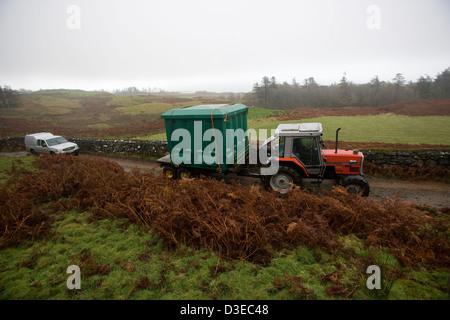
{"type": "Point", "coordinates": [131, 100]}
{"type": "Point", "coordinates": [147, 108]}
{"type": "Point", "coordinates": [45, 103]}
{"type": "Point", "coordinates": [125, 261]}
{"type": "Point", "coordinates": [258, 113]}
{"type": "Point", "coordinates": [154, 108]}
{"type": "Point", "coordinates": [156, 136]}
{"type": "Point", "coordinates": [385, 128]}
{"type": "Point", "coordinates": [72, 93]}
{"type": "Point", "coordinates": [101, 125]}
{"type": "Point", "coordinates": [8, 164]}
{"type": "Point", "coordinates": [37, 106]}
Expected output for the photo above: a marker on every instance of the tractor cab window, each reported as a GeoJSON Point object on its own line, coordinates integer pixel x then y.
{"type": "Point", "coordinates": [306, 150]}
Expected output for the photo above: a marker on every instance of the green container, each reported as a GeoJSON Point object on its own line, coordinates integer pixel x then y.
{"type": "Point", "coordinates": [212, 137]}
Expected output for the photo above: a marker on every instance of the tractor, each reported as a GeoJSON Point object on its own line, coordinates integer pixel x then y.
{"type": "Point", "coordinates": [302, 155]}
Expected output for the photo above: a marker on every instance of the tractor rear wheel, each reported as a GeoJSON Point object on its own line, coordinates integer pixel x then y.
{"type": "Point", "coordinates": [355, 184]}
{"type": "Point", "coordinates": [284, 180]}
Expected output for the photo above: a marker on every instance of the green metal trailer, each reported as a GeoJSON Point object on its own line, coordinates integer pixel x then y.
{"type": "Point", "coordinates": [205, 137]}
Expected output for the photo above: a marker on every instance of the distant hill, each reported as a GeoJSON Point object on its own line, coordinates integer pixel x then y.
{"type": "Point", "coordinates": [71, 93]}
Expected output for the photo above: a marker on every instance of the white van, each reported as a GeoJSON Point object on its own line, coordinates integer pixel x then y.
{"type": "Point", "coordinates": [45, 142]}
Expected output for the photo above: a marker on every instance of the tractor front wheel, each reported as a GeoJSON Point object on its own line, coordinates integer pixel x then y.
{"type": "Point", "coordinates": [355, 184]}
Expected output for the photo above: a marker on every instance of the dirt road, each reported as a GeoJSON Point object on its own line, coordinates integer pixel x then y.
{"type": "Point", "coordinates": [430, 193]}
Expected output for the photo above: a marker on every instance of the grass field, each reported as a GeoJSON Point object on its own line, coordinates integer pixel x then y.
{"type": "Point", "coordinates": [122, 260]}
{"type": "Point", "coordinates": [386, 128]}
{"type": "Point", "coordinates": [383, 128]}
{"type": "Point", "coordinates": [151, 108]}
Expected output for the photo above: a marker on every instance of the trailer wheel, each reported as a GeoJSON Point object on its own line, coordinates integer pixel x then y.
{"type": "Point", "coordinates": [284, 180]}
{"type": "Point", "coordinates": [170, 172]}
{"type": "Point", "coordinates": [355, 184]}
{"type": "Point", "coordinates": [183, 174]}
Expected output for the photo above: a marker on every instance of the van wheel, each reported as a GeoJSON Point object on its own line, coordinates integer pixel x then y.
{"type": "Point", "coordinates": [33, 152]}
{"type": "Point", "coordinates": [52, 153]}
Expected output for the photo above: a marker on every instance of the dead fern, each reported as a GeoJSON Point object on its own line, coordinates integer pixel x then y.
{"type": "Point", "coordinates": [235, 221]}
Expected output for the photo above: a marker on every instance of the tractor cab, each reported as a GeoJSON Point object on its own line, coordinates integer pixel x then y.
{"type": "Point", "coordinates": [301, 154]}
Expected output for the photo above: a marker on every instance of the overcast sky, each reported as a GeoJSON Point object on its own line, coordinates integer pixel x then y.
{"type": "Point", "coordinates": [218, 45]}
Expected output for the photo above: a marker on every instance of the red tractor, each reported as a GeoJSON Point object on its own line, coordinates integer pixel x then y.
{"type": "Point", "coordinates": [302, 155]}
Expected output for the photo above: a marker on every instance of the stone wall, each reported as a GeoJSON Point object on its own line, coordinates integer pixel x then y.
{"type": "Point", "coordinates": [156, 148]}
{"type": "Point", "coordinates": [12, 144]}
{"type": "Point", "coordinates": [153, 148]}
{"type": "Point", "coordinates": [415, 159]}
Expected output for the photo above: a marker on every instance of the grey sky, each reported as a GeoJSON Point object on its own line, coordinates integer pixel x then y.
{"type": "Point", "coordinates": [216, 45]}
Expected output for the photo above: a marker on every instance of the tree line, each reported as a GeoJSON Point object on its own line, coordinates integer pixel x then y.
{"type": "Point", "coordinates": [9, 98]}
{"type": "Point", "coordinates": [270, 93]}
{"type": "Point", "coordinates": [136, 91]}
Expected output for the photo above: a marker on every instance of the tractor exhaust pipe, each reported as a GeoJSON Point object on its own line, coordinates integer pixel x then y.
{"type": "Point", "coordinates": [337, 133]}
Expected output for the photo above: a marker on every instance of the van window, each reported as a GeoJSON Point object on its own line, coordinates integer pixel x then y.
{"type": "Point", "coordinates": [55, 141]}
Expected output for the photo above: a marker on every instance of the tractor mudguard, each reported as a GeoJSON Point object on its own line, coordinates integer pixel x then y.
{"type": "Point", "coordinates": [296, 164]}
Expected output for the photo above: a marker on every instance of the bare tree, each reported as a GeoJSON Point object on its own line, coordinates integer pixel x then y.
{"type": "Point", "coordinates": [9, 98]}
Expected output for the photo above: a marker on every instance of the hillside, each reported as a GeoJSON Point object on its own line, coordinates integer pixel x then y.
{"type": "Point", "coordinates": [78, 113]}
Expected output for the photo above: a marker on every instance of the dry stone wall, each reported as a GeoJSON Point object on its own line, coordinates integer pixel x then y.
{"type": "Point", "coordinates": [152, 148]}
{"type": "Point", "coordinates": [415, 159]}
{"type": "Point", "coordinates": [156, 148]}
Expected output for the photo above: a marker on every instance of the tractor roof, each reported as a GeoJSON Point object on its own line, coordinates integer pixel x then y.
{"type": "Point", "coordinates": [299, 129]}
